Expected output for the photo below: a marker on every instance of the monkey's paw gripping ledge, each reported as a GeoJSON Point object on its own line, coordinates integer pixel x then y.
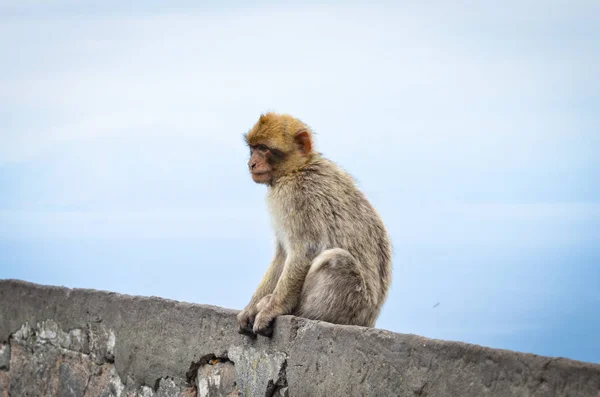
{"type": "Point", "coordinates": [73, 342]}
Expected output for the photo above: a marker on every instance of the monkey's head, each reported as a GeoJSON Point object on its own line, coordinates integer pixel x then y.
{"type": "Point", "coordinates": [279, 145]}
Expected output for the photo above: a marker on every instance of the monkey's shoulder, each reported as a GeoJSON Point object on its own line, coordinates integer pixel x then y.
{"type": "Point", "coordinates": [321, 184]}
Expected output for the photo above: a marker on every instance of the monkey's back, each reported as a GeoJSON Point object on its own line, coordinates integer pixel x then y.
{"type": "Point", "coordinates": [331, 212]}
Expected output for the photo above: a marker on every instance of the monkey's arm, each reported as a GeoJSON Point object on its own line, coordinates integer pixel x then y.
{"type": "Point", "coordinates": [266, 286]}
{"type": "Point", "coordinates": [287, 292]}
{"type": "Point", "coordinates": [269, 281]}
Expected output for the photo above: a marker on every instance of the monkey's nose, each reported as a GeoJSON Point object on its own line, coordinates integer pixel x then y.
{"type": "Point", "coordinates": [252, 166]}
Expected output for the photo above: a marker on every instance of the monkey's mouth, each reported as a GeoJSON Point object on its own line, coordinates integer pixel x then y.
{"type": "Point", "coordinates": [261, 177]}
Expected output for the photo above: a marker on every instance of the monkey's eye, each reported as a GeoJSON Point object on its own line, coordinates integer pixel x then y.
{"type": "Point", "coordinates": [262, 148]}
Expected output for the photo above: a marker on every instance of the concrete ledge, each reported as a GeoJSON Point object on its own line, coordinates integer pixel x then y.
{"type": "Point", "coordinates": [91, 342]}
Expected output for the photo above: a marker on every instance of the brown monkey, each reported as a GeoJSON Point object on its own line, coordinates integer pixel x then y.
{"type": "Point", "coordinates": [332, 257]}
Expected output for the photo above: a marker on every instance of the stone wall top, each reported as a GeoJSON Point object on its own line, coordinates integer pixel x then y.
{"type": "Point", "coordinates": [149, 339]}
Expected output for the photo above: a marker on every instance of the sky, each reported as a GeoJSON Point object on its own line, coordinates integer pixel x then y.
{"type": "Point", "coordinates": [474, 129]}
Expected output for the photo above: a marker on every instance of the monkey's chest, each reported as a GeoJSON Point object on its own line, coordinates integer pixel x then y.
{"type": "Point", "coordinates": [282, 232]}
{"type": "Point", "coordinates": [294, 232]}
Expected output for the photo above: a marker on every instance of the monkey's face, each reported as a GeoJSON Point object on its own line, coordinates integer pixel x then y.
{"type": "Point", "coordinates": [261, 164]}
{"type": "Point", "coordinates": [278, 146]}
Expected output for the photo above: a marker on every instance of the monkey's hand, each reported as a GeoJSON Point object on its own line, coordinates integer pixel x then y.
{"type": "Point", "coordinates": [246, 321]}
{"type": "Point", "coordinates": [263, 323]}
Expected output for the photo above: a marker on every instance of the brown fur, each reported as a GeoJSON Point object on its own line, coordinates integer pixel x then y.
{"type": "Point", "coordinates": [333, 256]}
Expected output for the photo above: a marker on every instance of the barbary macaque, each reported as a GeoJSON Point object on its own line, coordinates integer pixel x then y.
{"type": "Point", "coordinates": [332, 258]}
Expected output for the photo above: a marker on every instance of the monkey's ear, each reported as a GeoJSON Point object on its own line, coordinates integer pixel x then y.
{"type": "Point", "coordinates": [303, 141]}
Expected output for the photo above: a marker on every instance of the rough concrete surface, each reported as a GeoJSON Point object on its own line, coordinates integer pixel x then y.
{"type": "Point", "coordinates": [57, 341]}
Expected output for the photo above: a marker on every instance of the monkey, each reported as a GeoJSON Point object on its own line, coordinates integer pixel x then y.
{"type": "Point", "coordinates": [332, 259]}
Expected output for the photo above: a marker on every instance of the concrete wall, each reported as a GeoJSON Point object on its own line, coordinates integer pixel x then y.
{"type": "Point", "coordinates": [75, 342]}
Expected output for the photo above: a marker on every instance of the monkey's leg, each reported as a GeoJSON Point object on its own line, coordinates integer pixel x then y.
{"type": "Point", "coordinates": [335, 291]}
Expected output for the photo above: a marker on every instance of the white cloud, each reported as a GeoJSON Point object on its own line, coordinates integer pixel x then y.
{"type": "Point", "coordinates": [399, 71]}
{"type": "Point", "coordinates": [185, 224]}
{"type": "Point", "coordinates": [446, 223]}
{"type": "Point", "coordinates": [118, 111]}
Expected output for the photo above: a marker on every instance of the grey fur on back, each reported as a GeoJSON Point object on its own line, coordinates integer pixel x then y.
{"type": "Point", "coordinates": [320, 207]}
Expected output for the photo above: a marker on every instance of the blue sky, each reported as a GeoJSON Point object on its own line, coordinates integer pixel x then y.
{"type": "Point", "coordinates": [474, 130]}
